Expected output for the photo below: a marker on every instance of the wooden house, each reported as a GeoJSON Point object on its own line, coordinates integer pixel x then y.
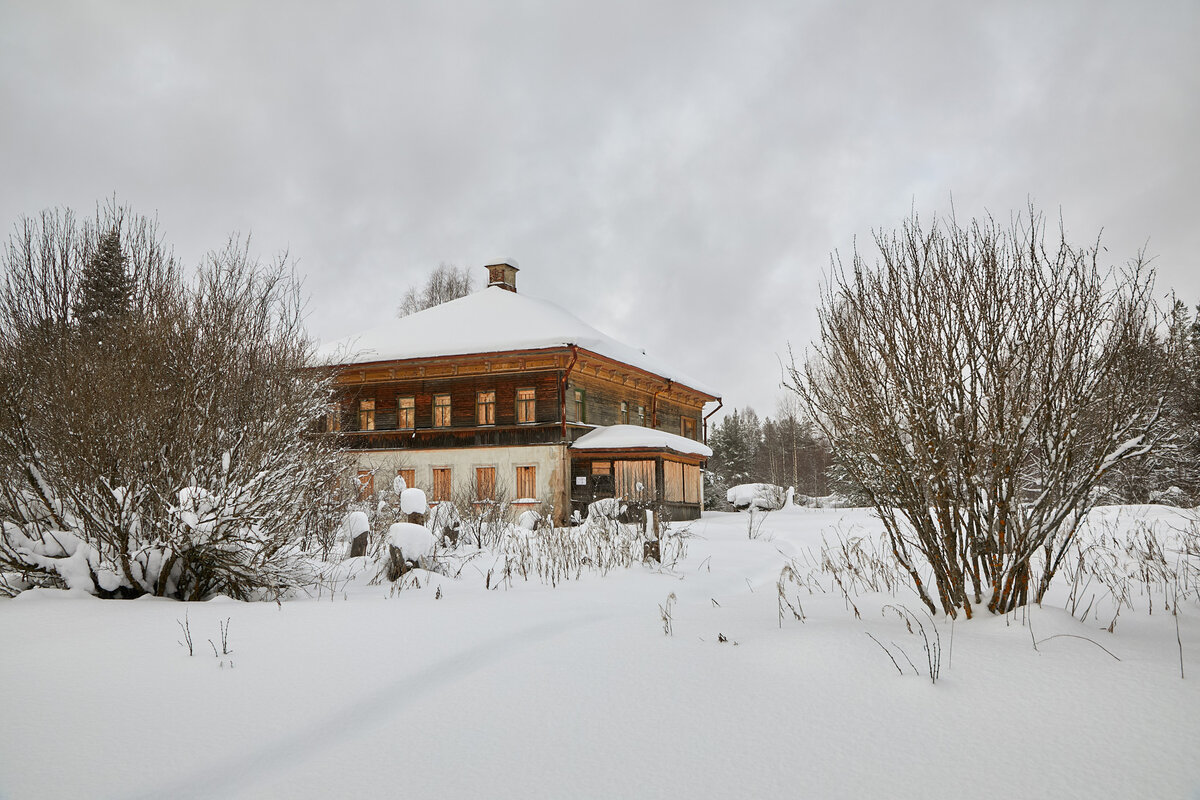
{"type": "Point", "coordinates": [507, 396]}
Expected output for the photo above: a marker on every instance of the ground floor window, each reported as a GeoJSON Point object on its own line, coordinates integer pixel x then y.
{"type": "Point", "coordinates": [691, 483]}
{"type": "Point", "coordinates": [409, 476]}
{"type": "Point", "coordinates": [526, 483]}
{"type": "Point", "coordinates": [441, 484]}
{"type": "Point", "coordinates": [485, 483]}
{"type": "Point", "coordinates": [366, 484]}
{"type": "Point", "coordinates": [635, 480]}
{"type": "Point", "coordinates": [672, 482]}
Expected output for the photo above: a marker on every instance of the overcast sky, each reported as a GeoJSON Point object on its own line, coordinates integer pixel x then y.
{"type": "Point", "coordinates": [677, 174]}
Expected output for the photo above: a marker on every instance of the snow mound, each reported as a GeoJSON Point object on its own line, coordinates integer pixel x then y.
{"type": "Point", "coordinates": [412, 501]}
{"type": "Point", "coordinates": [763, 496]}
{"type": "Point", "coordinates": [414, 542]}
{"type": "Point", "coordinates": [529, 520]}
{"type": "Point", "coordinates": [354, 524]}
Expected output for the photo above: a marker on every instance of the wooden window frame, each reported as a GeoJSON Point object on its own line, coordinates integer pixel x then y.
{"type": "Point", "coordinates": [683, 427]}
{"type": "Point", "coordinates": [438, 407]}
{"type": "Point", "coordinates": [409, 476]}
{"type": "Point", "coordinates": [526, 406]}
{"type": "Point", "coordinates": [406, 413]}
{"type": "Point", "coordinates": [485, 407]}
{"type": "Point", "coordinates": [485, 484]}
{"type": "Point", "coordinates": [527, 479]}
{"type": "Point", "coordinates": [624, 412]}
{"type": "Point", "coordinates": [580, 405]}
{"type": "Point", "coordinates": [366, 415]}
{"type": "Point", "coordinates": [443, 479]}
{"type": "Point", "coordinates": [692, 484]}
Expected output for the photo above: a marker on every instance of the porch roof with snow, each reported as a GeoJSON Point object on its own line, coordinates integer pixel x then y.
{"type": "Point", "coordinates": [636, 437]}
{"type": "Point", "coordinates": [492, 320]}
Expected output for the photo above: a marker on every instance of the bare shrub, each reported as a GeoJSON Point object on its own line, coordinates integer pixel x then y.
{"type": "Point", "coordinates": [163, 443]}
{"type": "Point", "coordinates": [978, 385]}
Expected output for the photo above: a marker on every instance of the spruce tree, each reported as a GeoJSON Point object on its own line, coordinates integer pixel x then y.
{"type": "Point", "coordinates": [106, 287]}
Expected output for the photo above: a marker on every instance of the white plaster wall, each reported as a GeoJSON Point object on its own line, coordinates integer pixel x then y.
{"type": "Point", "coordinates": [550, 461]}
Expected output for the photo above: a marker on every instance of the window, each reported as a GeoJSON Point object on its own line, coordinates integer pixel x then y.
{"type": "Point", "coordinates": [526, 405]}
{"type": "Point", "coordinates": [366, 415]}
{"type": "Point", "coordinates": [409, 476]}
{"type": "Point", "coordinates": [602, 478]}
{"type": "Point", "coordinates": [406, 413]}
{"type": "Point", "coordinates": [673, 482]}
{"type": "Point", "coordinates": [441, 484]}
{"type": "Point", "coordinates": [687, 426]}
{"type": "Point", "coordinates": [333, 419]}
{"type": "Point", "coordinates": [485, 483]}
{"type": "Point", "coordinates": [641, 415]}
{"type": "Point", "coordinates": [691, 483]}
{"type": "Point", "coordinates": [441, 411]}
{"type": "Point", "coordinates": [526, 483]}
{"type": "Point", "coordinates": [580, 406]}
{"type": "Point", "coordinates": [635, 480]}
{"type": "Point", "coordinates": [366, 484]}
{"type": "Point", "coordinates": [624, 413]}
{"type": "Point", "coordinates": [485, 408]}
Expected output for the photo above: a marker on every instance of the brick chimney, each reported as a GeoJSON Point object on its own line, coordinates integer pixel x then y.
{"type": "Point", "coordinates": [503, 274]}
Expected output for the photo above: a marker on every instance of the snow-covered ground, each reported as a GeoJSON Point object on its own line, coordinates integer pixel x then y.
{"type": "Point", "coordinates": [455, 690]}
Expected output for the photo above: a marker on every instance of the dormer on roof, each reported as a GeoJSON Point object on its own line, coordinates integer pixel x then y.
{"type": "Point", "coordinates": [503, 274]}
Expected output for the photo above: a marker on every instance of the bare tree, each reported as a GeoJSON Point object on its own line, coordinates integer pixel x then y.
{"type": "Point", "coordinates": [444, 284]}
{"type": "Point", "coordinates": [979, 385]}
{"type": "Point", "coordinates": [166, 447]}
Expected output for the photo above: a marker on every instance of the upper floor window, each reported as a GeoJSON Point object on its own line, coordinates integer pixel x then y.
{"type": "Point", "coordinates": [366, 415]}
{"type": "Point", "coordinates": [624, 413]}
{"type": "Point", "coordinates": [526, 405]}
{"type": "Point", "coordinates": [687, 426]}
{"type": "Point", "coordinates": [406, 413]}
{"type": "Point", "coordinates": [580, 406]}
{"type": "Point", "coordinates": [333, 418]}
{"type": "Point", "coordinates": [641, 415]}
{"type": "Point", "coordinates": [441, 411]}
{"type": "Point", "coordinates": [485, 408]}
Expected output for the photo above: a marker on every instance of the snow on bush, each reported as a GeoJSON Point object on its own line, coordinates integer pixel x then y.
{"type": "Point", "coordinates": [156, 432]}
{"type": "Point", "coordinates": [605, 508]}
{"type": "Point", "coordinates": [412, 501]}
{"type": "Point", "coordinates": [529, 520]}
{"type": "Point", "coordinates": [763, 496]}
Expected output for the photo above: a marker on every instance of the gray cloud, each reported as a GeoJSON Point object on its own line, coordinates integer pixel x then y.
{"type": "Point", "coordinates": [677, 173]}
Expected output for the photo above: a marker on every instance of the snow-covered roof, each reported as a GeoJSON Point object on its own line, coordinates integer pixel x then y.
{"type": "Point", "coordinates": [491, 320]}
{"type": "Point", "coordinates": [620, 437]}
